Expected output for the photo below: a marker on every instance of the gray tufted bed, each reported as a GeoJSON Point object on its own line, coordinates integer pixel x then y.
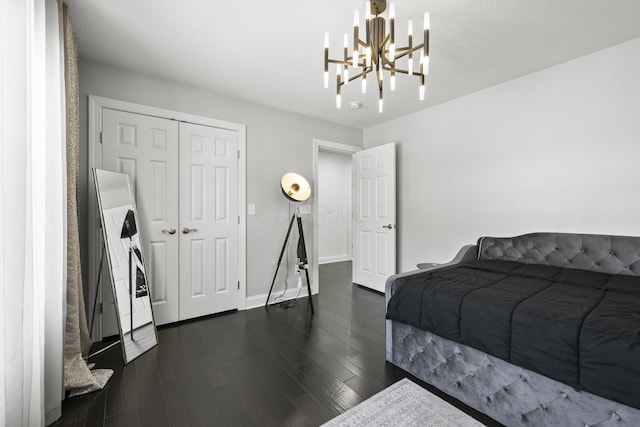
{"type": "Point", "coordinates": [541, 329]}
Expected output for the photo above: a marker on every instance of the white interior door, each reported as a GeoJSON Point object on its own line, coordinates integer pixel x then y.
{"type": "Point", "coordinates": [374, 252]}
{"type": "Point", "coordinates": [146, 148]}
{"type": "Point", "coordinates": [208, 220]}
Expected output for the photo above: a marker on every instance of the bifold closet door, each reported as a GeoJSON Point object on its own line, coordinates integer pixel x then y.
{"type": "Point", "coordinates": [208, 206]}
{"type": "Point", "coordinates": [146, 148]}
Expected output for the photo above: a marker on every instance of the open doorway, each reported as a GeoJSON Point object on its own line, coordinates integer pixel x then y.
{"type": "Point", "coordinates": [332, 204]}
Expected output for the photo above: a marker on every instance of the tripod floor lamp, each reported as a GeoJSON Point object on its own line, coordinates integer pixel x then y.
{"type": "Point", "coordinates": [296, 189]}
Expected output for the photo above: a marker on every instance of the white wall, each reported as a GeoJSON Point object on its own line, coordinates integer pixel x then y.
{"type": "Point", "coordinates": [334, 207]}
{"type": "Point", "coordinates": [277, 142]}
{"type": "Point", "coordinates": [557, 150]}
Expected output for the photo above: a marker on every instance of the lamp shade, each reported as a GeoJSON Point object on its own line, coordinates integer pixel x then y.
{"type": "Point", "coordinates": [295, 187]}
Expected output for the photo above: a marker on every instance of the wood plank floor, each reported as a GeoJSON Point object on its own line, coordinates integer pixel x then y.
{"type": "Point", "coordinates": [281, 367]}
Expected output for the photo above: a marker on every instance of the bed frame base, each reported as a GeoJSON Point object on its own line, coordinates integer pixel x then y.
{"type": "Point", "coordinates": [509, 394]}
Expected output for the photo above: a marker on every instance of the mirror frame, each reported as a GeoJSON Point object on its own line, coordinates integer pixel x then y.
{"type": "Point", "coordinates": [145, 336]}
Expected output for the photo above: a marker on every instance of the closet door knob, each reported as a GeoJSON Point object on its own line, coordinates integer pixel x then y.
{"type": "Point", "coordinates": [188, 230]}
{"type": "Point", "coordinates": [169, 230]}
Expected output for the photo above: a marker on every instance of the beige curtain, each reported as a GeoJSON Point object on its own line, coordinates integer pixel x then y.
{"type": "Point", "coordinates": [78, 379]}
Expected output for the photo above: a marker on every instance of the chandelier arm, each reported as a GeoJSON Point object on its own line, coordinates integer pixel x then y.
{"type": "Point", "coordinates": [400, 70]}
{"type": "Point", "coordinates": [403, 54]}
{"type": "Point", "coordinates": [357, 76]}
{"type": "Point", "coordinates": [408, 49]}
{"type": "Point", "coordinates": [347, 62]}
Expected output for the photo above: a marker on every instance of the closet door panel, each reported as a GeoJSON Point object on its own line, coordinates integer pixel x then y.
{"type": "Point", "coordinates": [146, 148]}
{"type": "Point", "coordinates": [209, 220]}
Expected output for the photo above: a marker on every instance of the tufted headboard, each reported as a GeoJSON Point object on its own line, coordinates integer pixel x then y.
{"type": "Point", "coordinates": [606, 254]}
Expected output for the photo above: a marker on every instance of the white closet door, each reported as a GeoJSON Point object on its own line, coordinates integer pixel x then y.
{"type": "Point", "coordinates": [374, 249]}
{"type": "Point", "coordinates": [146, 148]}
{"type": "Point", "coordinates": [208, 220]}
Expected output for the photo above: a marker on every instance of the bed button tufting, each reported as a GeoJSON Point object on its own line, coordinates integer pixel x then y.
{"type": "Point", "coordinates": [543, 407]}
{"type": "Point", "coordinates": [616, 416]}
{"type": "Point", "coordinates": [564, 395]}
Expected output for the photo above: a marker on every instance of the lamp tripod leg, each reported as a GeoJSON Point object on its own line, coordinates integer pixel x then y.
{"type": "Point", "coordinates": [302, 255]}
{"type": "Point", "coordinates": [284, 246]}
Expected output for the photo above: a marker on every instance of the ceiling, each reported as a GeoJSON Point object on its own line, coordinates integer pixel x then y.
{"type": "Point", "coordinates": [271, 52]}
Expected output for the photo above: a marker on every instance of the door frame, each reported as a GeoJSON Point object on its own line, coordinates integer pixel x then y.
{"type": "Point", "coordinates": [96, 105]}
{"type": "Point", "coordinates": [328, 147]}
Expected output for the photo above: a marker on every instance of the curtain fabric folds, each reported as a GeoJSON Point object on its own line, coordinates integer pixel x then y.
{"type": "Point", "coordinates": [78, 379]}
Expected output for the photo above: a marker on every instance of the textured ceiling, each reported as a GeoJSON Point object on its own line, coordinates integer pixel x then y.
{"type": "Point", "coordinates": [271, 53]}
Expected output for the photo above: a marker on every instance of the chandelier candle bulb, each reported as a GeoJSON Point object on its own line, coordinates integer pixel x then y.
{"type": "Point", "coordinates": [422, 92]}
{"type": "Point", "coordinates": [425, 41]}
{"type": "Point", "coordinates": [326, 60]}
{"type": "Point", "coordinates": [392, 32]}
{"type": "Point", "coordinates": [356, 37]}
{"type": "Point", "coordinates": [338, 86]}
{"type": "Point", "coordinates": [364, 83]}
{"type": "Point", "coordinates": [410, 37]}
{"type": "Point", "coordinates": [346, 46]}
{"type": "Point", "coordinates": [346, 56]}
{"type": "Point", "coordinates": [392, 81]}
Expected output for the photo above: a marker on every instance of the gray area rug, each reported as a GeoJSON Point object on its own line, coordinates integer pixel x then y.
{"type": "Point", "coordinates": [404, 404]}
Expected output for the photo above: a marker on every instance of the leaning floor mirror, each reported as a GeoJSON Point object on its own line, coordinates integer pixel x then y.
{"type": "Point", "coordinates": [121, 236]}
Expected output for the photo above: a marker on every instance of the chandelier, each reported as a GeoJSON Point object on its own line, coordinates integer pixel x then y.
{"type": "Point", "coordinates": [378, 52]}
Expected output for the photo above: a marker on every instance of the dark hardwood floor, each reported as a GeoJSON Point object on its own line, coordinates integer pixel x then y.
{"type": "Point", "coordinates": [281, 367]}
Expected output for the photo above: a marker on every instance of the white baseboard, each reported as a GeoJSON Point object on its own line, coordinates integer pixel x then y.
{"type": "Point", "coordinates": [292, 293]}
{"type": "Point", "coordinates": [335, 258]}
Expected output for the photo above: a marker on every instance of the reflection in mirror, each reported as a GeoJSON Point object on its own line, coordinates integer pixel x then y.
{"type": "Point", "coordinates": [126, 263]}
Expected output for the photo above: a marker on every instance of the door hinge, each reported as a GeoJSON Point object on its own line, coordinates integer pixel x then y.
{"type": "Point", "coordinates": [100, 137]}
{"type": "Point", "coordinates": [238, 219]}
{"type": "Point", "coordinates": [238, 285]}
{"type": "Point", "coordinates": [100, 308]}
{"type": "Point", "coordinates": [238, 153]}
